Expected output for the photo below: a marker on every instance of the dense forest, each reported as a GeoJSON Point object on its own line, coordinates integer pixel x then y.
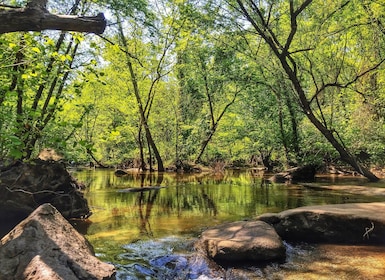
{"type": "Point", "coordinates": [270, 82]}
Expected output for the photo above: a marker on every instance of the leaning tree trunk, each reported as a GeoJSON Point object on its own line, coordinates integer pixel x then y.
{"type": "Point", "coordinates": [281, 51]}
{"type": "Point", "coordinates": [204, 144]}
{"type": "Point", "coordinates": [328, 134]}
{"type": "Point", "coordinates": [344, 154]}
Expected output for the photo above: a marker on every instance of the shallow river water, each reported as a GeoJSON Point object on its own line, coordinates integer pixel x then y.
{"type": "Point", "coordinates": [149, 235]}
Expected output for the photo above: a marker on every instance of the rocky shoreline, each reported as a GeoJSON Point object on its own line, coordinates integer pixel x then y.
{"type": "Point", "coordinates": [46, 246]}
{"type": "Point", "coordinates": [353, 223]}
{"type": "Point", "coordinates": [24, 186]}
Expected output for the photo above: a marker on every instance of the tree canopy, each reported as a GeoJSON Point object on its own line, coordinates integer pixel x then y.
{"type": "Point", "coordinates": [275, 83]}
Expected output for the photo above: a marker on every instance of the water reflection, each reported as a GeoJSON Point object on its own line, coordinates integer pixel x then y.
{"type": "Point", "coordinates": [186, 205]}
{"type": "Point", "coordinates": [145, 204]}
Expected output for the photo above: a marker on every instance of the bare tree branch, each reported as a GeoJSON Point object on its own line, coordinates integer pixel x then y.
{"type": "Point", "coordinates": [346, 85]}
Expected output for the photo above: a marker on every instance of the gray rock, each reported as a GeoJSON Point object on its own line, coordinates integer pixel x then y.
{"type": "Point", "coordinates": [26, 185]}
{"type": "Point", "coordinates": [242, 241]}
{"type": "Point", "coordinates": [46, 246]}
{"type": "Point", "coordinates": [351, 223]}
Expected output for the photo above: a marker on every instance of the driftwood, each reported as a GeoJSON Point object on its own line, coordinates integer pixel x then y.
{"type": "Point", "coordinates": [35, 17]}
{"type": "Point", "coordinates": [142, 189]}
{"type": "Point", "coordinates": [120, 172]}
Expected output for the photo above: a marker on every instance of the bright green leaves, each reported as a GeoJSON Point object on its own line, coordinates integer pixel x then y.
{"type": "Point", "coordinates": [49, 42]}
{"type": "Point", "coordinates": [189, 60]}
{"type": "Point", "coordinates": [12, 146]}
{"type": "Point", "coordinates": [12, 46]}
{"type": "Point", "coordinates": [36, 77]}
{"type": "Point", "coordinates": [36, 50]}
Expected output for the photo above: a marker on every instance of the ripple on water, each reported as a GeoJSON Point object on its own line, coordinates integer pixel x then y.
{"type": "Point", "coordinates": [167, 258]}
{"type": "Point", "coordinates": [173, 258]}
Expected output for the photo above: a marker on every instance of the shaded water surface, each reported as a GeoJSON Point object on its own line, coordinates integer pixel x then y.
{"type": "Point", "coordinates": [149, 235]}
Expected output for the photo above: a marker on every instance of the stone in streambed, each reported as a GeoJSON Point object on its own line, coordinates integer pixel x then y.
{"type": "Point", "coordinates": [242, 241]}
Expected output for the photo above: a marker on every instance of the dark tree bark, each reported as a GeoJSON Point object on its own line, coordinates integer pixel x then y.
{"type": "Point", "coordinates": [35, 17]}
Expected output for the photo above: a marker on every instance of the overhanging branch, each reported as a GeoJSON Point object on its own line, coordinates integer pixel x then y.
{"type": "Point", "coordinates": [35, 17]}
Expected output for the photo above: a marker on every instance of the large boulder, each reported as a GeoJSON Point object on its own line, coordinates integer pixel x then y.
{"type": "Point", "coordinates": [46, 247]}
{"type": "Point", "coordinates": [25, 186]}
{"type": "Point", "coordinates": [353, 223]}
{"type": "Point", "coordinates": [242, 241]}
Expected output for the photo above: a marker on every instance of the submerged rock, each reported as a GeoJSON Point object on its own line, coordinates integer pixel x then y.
{"type": "Point", "coordinates": [352, 223]}
{"type": "Point", "coordinates": [46, 247]}
{"type": "Point", "coordinates": [25, 186]}
{"type": "Point", "coordinates": [242, 241]}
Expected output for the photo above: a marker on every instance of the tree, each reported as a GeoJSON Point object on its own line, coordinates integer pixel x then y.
{"type": "Point", "coordinates": [264, 19]}
{"type": "Point", "coordinates": [213, 72]}
{"type": "Point", "coordinates": [148, 65]}
{"type": "Point", "coordinates": [210, 77]}
{"type": "Point", "coordinates": [34, 85]}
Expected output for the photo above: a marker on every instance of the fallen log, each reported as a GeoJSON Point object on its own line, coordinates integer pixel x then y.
{"type": "Point", "coordinates": [35, 17]}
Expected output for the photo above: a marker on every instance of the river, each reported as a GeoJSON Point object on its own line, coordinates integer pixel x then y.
{"type": "Point", "coordinates": [149, 235]}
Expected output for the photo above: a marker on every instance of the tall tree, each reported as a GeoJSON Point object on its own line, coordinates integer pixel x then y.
{"type": "Point", "coordinates": [148, 67]}
{"type": "Point", "coordinates": [280, 26]}
{"type": "Point", "coordinates": [210, 75]}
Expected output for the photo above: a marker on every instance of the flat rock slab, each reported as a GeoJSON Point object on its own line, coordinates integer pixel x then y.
{"type": "Point", "coordinates": [242, 241]}
{"type": "Point", "coordinates": [45, 246]}
{"type": "Point", "coordinates": [351, 223]}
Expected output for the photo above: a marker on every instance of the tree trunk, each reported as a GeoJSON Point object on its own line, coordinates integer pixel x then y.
{"type": "Point", "coordinates": [89, 152]}
{"type": "Point", "coordinates": [328, 134]}
{"type": "Point", "coordinates": [141, 152]}
{"type": "Point", "coordinates": [214, 123]}
{"type": "Point", "coordinates": [204, 144]}
{"type": "Point", "coordinates": [143, 119]}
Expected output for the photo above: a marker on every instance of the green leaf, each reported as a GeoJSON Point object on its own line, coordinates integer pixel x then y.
{"type": "Point", "coordinates": [36, 50]}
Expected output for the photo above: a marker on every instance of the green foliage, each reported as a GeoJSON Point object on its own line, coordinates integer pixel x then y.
{"type": "Point", "coordinates": [202, 77]}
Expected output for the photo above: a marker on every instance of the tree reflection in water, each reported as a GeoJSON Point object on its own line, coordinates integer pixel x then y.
{"type": "Point", "coordinates": [146, 201]}
{"type": "Point", "coordinates": [184, 207]}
